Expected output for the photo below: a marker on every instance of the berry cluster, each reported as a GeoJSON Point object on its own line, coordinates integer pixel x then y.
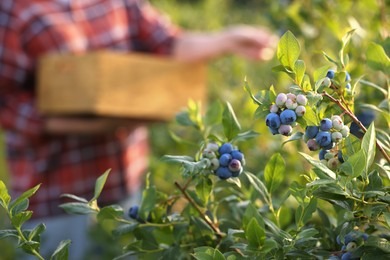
{"type": "Point", "coordinates": [351, 241]}
{"type": "Point", "coordinates": [330, 75]}
{"type": "Point", "coordinates": [225, 160]}
{"type": "Point", "coordinates": [284, 113]}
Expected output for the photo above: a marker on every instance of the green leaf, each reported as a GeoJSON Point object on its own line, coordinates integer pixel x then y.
{"type": "Point", "coordinates": [25, 195]}
{"type": "Point", "coordinates": [231, 126]}
{"type": "Point", "coordinates": [204, 253]}
{"type": "Point", "coordinates": [258, 185]}
{"type": "Point", "coordinates": [255, 234]}
{"type": "Point", "coordinates": [100, 184]}
{"type": "Point", "coordinates": [310, 117]}
{"type": "Point", "coordinates": [214, 113]}
{"type": "Point", "coordinates": [299, 69]}
{"type": "Point", "coordinates": [248, 89]}
{"type": "Point", "coordinates": [245, 136]}
{"type": "Point", "coordinates": [36, 231]}
{"type": "Point", "coordinates": [78, 208]}
{"type": "Point", "coordinates": [21, 206]}
{"type": "Point", "coordinates": [321, 72]}
{"type": "Point", "coordinates": [306, 86]}
{"type": "Point", "coordinates": [386, 216]}
{"type": "Point", "coordinates": [183, 118]}
{"type": "Point", "coordinates": [274, 172]}
{"type": "Point", "coordinates": [110, 212]}
{"type": "Point", "coordinates": [124, 229]}
{"type": "Point", "coordinates": [380, 243]}
{"type": "Point", "coordinates": [9, 233]}
{"type": "Point", "coordinates": [377, 58]}
{"type": "Point", "coordinates": [74, 197]}
{"type": "Point", "coordinates": [345, 40]}
{"type": "Point", "coordinates": [294, 137]}
{"type": "Point", "coordinates": [62, 251]}
{"type": "Point", "coordinates": [5, 198]}
{"type": "Point", "coordinates": [375, 182]}
{"type": "Point", "coordinates": [307, 233]}
{"type": "Point", "coordinates": [29, 246]}
{"type": "Point", "coordinates": [149, 197]}
{"type": "Point", "coordinates": [322, 168]}
{"type": "Point", "coordinates": [288, 50]}
{"type": "Point", "coordinates": [177, 159]}
{"type": "Point", "coordinates": [18, 220]}
{"type": "Point", "coordinates": [355, 164]}
{"type": "Point", "coordinates": [368, 145]}
{"type": "Point", "coordinates": [203, 188]}
{"type": "Point", "coordinates": [250, 213]}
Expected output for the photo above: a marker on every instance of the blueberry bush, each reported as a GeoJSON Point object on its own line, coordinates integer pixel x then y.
{"type": "Point", "coordinates": [220, 208]}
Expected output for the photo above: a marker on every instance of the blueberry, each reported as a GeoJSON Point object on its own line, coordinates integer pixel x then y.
{"type": "Point", "coordinates": [274, 131]}
{"type": "Point", "coordinates": [291, 96]}
{"type": "Point", "coordinates": [287, 117]}
{"type": "Point", "coordinates": [212, 147]}
{"type": "Point", "coordinates": [223, 173]}
{"type": "Point", "coordinates": [225, 148]}
{"type": "Point", "coordinates": [340, 156]}
{"type": "Point", "coordinates": [330, 74]}
{"type": "Point", "coordinates": [346, 256]}
{"type": "Point", "coordinates": [337, 123]}
{"type": "Point", "coordinates": [325, 124]}
{"type": "Point", "coordinates": [334, 257]}
{"type": "Point", "coordinates": [321, 154]}
{"type": "Point", "coordinates": [324, 139]}
{"type": "Point", "coordinates": [272, 120]}
{"type": "Point", "coordinates": [366, 118]}
{"type": "Point", "coordinates": [290, 104]}
{"type": "Point", "coordinates": [349, 238]}
{"type": "Point", "coordinates": [285, 130]}
{"type": "Point", "coordinates": [133, 212]}
{"type": "Point", "coordinates": [236, 154]}
{"type": "Point", "coordinates": [234, 165]}
{"type": "Point", "coordinates": [311, 131]}
{"type": "Point", "coordinates": [347, 76]}
{"type": "Point", "coordinates": [312, 145]}
{"type": "Point", "coordinates": [224, 160]}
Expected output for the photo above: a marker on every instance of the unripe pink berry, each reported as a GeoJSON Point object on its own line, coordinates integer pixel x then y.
{"type": "Point", "coordinates": [292, 96]}
{"type": "Point", "coordinates": [285, 130]}
{"type": "Point", "coordinates": [302, 100]}
{"type": "Point", "coordinates": [291, 104]}
{"type": "Point", "coordinates": [312, 145]}
{"type": "Point", "coordinates": [273, 108]}
{"type": "Point", "coordinates": [300, 110]}
{"type": "Point", "coordinates": [281, 99]}
{"type": "Point", "coordinates": [337, 124]}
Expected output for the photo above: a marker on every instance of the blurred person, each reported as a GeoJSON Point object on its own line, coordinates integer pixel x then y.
{"type": "Point", "coordinates": [68, 154]}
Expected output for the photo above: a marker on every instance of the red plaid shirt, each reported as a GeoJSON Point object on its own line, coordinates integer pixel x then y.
{"type": "Point", "coordinates": [70, 164]}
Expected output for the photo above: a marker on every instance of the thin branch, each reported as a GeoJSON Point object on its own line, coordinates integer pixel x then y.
{"type": "Point", "coordinates": [204, 216]}
{"type": "Point", "coordinates": [357, 122]}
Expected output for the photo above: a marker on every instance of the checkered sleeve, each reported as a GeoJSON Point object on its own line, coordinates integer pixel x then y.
{"type": "Point", "coordinates": [17, 111]}
{"type": "Point", "coordinates": [154, 31]}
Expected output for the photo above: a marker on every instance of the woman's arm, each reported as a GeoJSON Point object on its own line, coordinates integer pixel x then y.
{"type": "Point", "coordinates": [250, 42]}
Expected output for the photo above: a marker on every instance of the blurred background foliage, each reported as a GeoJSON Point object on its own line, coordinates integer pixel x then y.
{"type": "Point", "coordinates": [319, 26]}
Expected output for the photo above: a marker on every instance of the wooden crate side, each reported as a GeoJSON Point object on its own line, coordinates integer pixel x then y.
{"type": "Point", "coordinates": [141, 86]}
{"type": "Point", "coordinates": [67, 84]}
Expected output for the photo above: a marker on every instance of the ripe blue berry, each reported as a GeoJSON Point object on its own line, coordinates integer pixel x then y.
{"type": "Point", "coordinates": [329, 146]}
{"type": "Point", "coordinates": [133, 212]}
{"type": "Point", "coordinates": [346, 256]}
{"type": "Point", "coordinates": [225, 148]}
{"type": "Point", "coordinates": [321, 154]}
{"type": "Point", "coordinates": [272, 120]}
{"type": "Point", "coordinates": [340, 156]}
{"type": "Point", "coordinates": [325, 124]}
{"type": "Point", "coordinates": [311, 131]}
{"type": "Point", "coordinates": [347, 76]}
{"type": "Point", "coordinates": [224, 160]}
{"type": "Point", "coordinates": [224, 173]}
{"type": "Point", "coordinates": [285, 130]}
{"type": "Point", "coordinates": [287, 117]}
{"type": "Point", "coordinates": [323, 139]}
{"type": "Point", "coordinates": [236, 154]}
{"type": "Point", "coordinates": [330, 74]}
{"type": "Point", "coordinates": [274, 131]}
{"type": "Point", "coordinates": [234, 165]}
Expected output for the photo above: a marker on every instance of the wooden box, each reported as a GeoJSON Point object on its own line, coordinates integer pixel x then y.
{"type": "Point", "coordinates": [120, 85]}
